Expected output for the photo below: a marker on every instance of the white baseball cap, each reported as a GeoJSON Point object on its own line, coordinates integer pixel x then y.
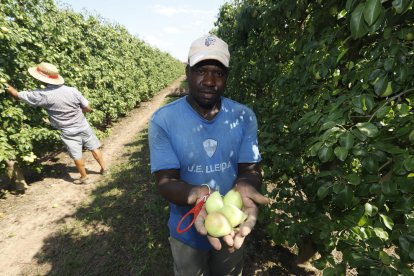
{"type": "Point", "coordinates": [208, 47]}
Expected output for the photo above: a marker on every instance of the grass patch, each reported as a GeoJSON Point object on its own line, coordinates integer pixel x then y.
{"type": "Point", "coordinates": [121, 230]}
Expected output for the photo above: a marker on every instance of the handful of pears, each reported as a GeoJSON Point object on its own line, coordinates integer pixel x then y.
{"type": "Point", "coordinates": [223, 213]}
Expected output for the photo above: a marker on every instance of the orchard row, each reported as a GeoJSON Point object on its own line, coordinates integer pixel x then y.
{"type": "Point", "coordinates": [113, 69]}
{"type": "Point", "coordinates": [332, 84]}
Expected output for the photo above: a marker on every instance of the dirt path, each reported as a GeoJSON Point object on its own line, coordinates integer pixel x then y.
{"type": "Point", "coordinates": [26, 221]}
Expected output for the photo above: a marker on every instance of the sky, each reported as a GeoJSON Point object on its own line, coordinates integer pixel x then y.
{"type": "Point", "coordinates": [169, 25]}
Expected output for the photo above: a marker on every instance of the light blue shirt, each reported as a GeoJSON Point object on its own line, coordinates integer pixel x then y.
{"type": "Point", "coordinates": [63, 104]}
{"type": "Point", "coordinates": [205, 152]}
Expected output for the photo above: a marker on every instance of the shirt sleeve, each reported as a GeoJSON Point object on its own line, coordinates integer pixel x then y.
{"type": "Point", "coordinates": [33, 98]}
{"type": "Point", "coordinates": [162, 154]}
{"type": "Point", "coordinates": [82, 100]}
{"type": "Point", "coordinates": [249, 149]}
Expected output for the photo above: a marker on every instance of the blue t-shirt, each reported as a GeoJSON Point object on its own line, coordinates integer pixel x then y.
{"type": "Point", "coordinates": [205, 152]}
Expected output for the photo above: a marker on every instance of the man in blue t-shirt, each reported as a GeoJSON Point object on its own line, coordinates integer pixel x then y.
{"type": "Point", "coordinates": [200, 143]}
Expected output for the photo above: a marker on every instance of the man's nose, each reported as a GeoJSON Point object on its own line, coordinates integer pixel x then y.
{"type": "Point", "coordinates": [209, 79]}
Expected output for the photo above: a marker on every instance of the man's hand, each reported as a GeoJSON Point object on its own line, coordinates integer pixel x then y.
{"type": "Point", "coordinates": [86, 109]}
{"type": "Point", "coordinates": [11, 90]}
{"type": "Point", "coordinates": [235, 239]}
{"type": "Point", "coordinates": [250, 197]}
{"type": "Point", "coordinates": [196, 194]}
{"type": "Point", "coordinates": [215, 242]}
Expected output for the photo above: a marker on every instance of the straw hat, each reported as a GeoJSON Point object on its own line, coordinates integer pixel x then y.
{"type": "Point", "coordinates": [47, 73]}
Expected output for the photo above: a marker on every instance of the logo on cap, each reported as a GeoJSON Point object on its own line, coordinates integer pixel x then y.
{"type": "Point", "coordinates": [209, 41]}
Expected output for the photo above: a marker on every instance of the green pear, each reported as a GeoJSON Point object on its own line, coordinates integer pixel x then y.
{"type": "Point", "coordinates": [214, 202]}
{"type": "Point", "coordinates": [233, 197]}
{"type": "Point", "coordinates": [4, 30]}
{"type": "Point", "coordinates": [388, 91]}
{"type": "Point", "coordinates": [217, 225]}
{"type": "Point", "coordinates": [233, 214]}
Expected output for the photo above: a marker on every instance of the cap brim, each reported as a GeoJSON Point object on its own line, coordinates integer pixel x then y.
{"type": "Point", "coordinates": [33, 72]}
{"type": "Point", "coordinates": [214, 55]}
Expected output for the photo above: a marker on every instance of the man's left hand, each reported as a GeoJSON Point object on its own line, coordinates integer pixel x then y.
{"type": "Point", "coordinates": [250, 197]}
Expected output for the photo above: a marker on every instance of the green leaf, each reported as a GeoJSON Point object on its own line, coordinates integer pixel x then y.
{"type": "Point", "coordinates": [358, 134]}
{"type": "Point", "coordinates": [404, 109]}
{"type": "Point", "coordinates": [389, 188]}
{"type": "Point", "coordinates": [346, 196]}
{"type": "Point", "coordinates": [385, 258]}
{"type": "Point", "coordinates": [362, 220]}
{"type": "Point", "coordinates": [331, 134]}
{"type": "Point", "coordinates": [404, 244]}
{"type": "Point", "coordinates": [382, 112]}
{"type": "Point", "coordinates": [372, 10]}
{"type": "Point", "coordinates": [358, 26]}
{"type": "Point", "coordinates": [354, 179]}
{"type": "Point", "coordinates": [409, 163]}
{"type": "Point", "coordinates": [387, 33]}
{"type": "Point", "coordinates": [378, 23]}
{"type": "Point", "coordinates": [405, 204]}
{"type": "Point", "coordinates": [390, 148]}
{"type": "Point", "coordinates": [350, 5]}
{"type": "Point", "coordinates": [370, 209]}
{"type": "Point", "coordinates": [411, 254]}
{"type": "Point", "coordinates": [381, 233]}
{"type": "Point", "coordinates": [325, 154]}
{"type": "Point", "coordinates": [356, 259]}
{"type": "Point", "coordinates": [328, 125]}
{"type": "Point", "coordinates": [370, 164]}
{"type": "Point", "coordinates": [323, 190]}
{"type": "Point", "coordinates": [330, 271]}
{"type": "Point", "coordinates": [403, 131]}
{"type": "Point", "coordinates": [346, 140]}
{"type": "Point", "coordinates": [341, 153]}
{"type": "Point", "coordinates": [367, 129]}
{"type": "Point", "coordinates": [402, 73]}
{"type": "Point", "coordinates": [367, 103]}
{"type": "Point", "coordinates": [337, 187]}
{"type": "Point", "coordinates": [398, 167]}
{"type": "Point", "coordinates": [389, 64]}
{"type": "Point", "coordinates": [381, 85]}
{"type": "Point", "coordinates": [313, 151]}
{"type": "Point", "coordinates": [400, 6]}
{"type": "Point", "coordinates": [375, 189]}
{"type": "Point", "coordinates": [387, 221]}
{"type": "Point", "coordinates": [341, 55]}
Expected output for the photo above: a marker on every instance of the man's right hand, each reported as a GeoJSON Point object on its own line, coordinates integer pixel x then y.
{"type": "Point", "coordinates": [215, 242]}
{"type": "Point", "coordinates": [235, 239]}
{"type": "Point", "coordinates": [11, 90]}
{"type": "Point", "coordinates": [196, 194]}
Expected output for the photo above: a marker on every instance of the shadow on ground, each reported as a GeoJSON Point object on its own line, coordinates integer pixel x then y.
{"type": "Point", "coordinates": [122, 230]}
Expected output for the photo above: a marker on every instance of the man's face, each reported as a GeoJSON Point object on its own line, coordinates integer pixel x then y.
{"type": "Point", "coordinates": [207, 82]}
